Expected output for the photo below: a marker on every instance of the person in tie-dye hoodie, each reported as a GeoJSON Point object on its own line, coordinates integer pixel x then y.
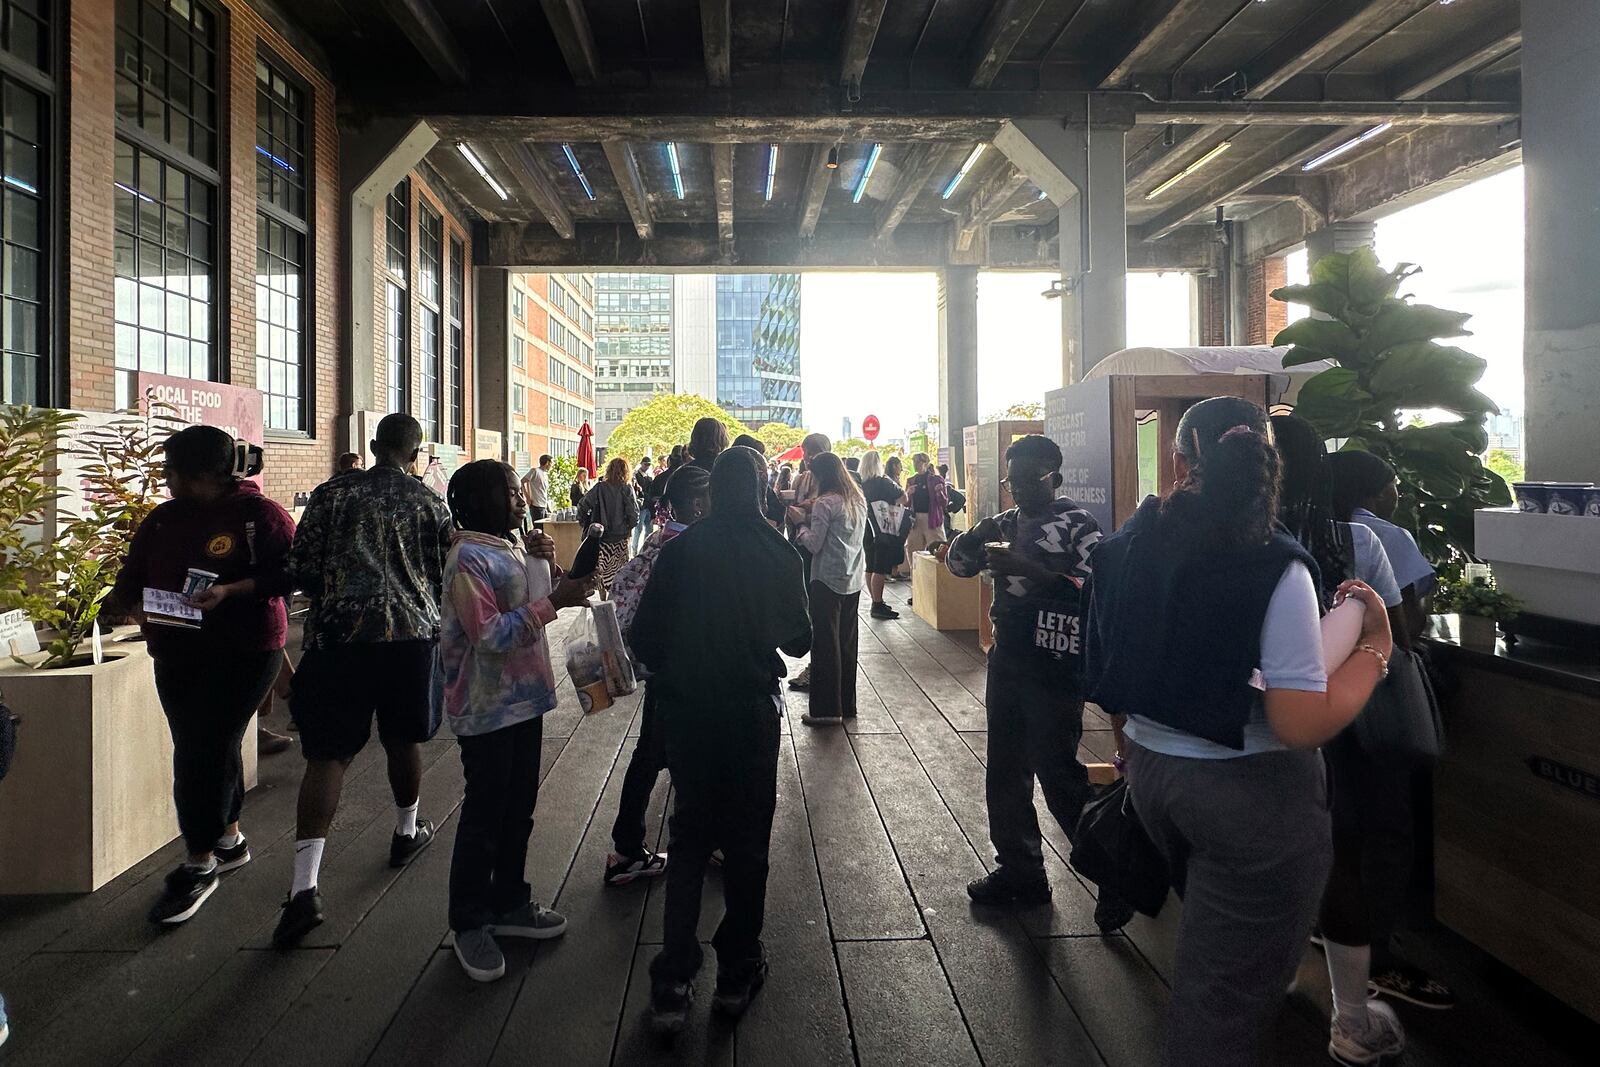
{"type": "Point", "coordinates": [497, 680]}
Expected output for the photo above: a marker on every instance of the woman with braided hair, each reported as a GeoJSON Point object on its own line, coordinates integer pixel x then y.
{"type": "Point", "coordinates": [1203, 631]}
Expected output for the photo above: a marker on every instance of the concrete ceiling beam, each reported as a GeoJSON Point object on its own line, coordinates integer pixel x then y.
{"type": "Point", "coordinates": [536, 185]}
{"type": "Point", "coordinates": [569, 23]}
{"type": "Point", "coordinates": [1327, 112]}
{"type": "Point", "coordinates": [625, 168]}
{"type": "Point", "coordinates": [1157, 25]}
{"type": "Point", "coordinates": [818, 178]}
{"type": "Point", "coordinates": [722, 167]}
{"type": "Point", "coordinates": [432, 39]}
{"type": "Point", "coordinates": [860, 31]}
{"type": "Point", "coordinates": [987, 202]}
{"type": "Point", "coordinates": [1323, 39]}
{"type": "Point", "coordinates": [1472, 51]}
{"type": "Point", "coordinates": [914, 170]}
{"type": "Point", "coordinates": [1007, 21]}
{"type": "Point", "coordinates": [1268, 162]}
{"type": "Point", "coordinates": [716, 35]}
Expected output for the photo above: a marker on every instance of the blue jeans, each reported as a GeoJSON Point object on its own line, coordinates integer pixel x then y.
{"type": "Point", "coordinates": [641, 532]}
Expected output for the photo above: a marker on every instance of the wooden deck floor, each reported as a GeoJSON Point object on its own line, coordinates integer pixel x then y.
{"type": "Point", "coordinates": [877, 957]}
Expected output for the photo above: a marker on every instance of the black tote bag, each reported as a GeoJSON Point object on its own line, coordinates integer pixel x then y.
{"type": "Point", "coordinates": [1401, 722]}
{"type": "Point", "coordinates": [1112, 850]}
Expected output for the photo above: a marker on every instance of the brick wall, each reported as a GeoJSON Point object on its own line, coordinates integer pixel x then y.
{"type": "Point", "coordinates": [294, 462]}
{"type": "Point", "coordinates": [1267, 316]}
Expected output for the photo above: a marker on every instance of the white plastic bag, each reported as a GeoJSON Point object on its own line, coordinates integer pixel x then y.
{"type": "Point", "coordinates": [586, 663]}
{"type": "Point", "coordinates": [620, 680]}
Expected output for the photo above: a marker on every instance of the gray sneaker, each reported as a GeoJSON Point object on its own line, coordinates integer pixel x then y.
{"type": "Point", "coordinates": [530, 920]}
{"type": "Point", "coordinates": [480, 957]}
{"type": "Point", "coordinates": [1375, 1038]}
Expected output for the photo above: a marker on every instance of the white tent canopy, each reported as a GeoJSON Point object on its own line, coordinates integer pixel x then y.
{"type": "Point", "coordinates": [1241, 359]}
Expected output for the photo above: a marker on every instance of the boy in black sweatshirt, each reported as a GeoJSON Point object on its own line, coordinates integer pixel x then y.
{"type": "Point", "coordinates": [1034, 694]}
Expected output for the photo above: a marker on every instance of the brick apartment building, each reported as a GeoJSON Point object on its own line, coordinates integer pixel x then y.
{"type": "Point", "coordinates": [552, 364]}
{"type": "Point", "coordinates": [172, 205]}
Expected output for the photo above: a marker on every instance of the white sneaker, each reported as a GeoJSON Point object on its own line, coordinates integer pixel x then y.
{"type": "Point", "coordinates": [1370, 1040]}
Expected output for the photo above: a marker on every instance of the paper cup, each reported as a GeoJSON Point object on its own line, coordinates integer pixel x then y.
{"type": "Point", "coordinates": [197, 581]}
{"type": "Point", "coordinates": [1567, 498]}
{"type": "Point", "coordinates": [594, 697]}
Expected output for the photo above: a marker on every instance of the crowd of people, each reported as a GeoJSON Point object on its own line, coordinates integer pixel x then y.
{"type": "Point", "coordinates": [1195, 626]}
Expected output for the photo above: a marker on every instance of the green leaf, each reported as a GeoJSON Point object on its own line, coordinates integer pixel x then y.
{"type": "Point", "coordinates": [1397, 323]}
{"type": "Point", "coordinates": [1328, 299]}
{"type": "Point", "coordinates": [1368, 283]}
{"type": "Point", "coordinates": [1328, 338]}
{"type": "Point", "coordinates": [1333, 401]}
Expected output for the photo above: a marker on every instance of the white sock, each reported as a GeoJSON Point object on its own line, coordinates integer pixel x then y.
{"type": "Point", "coordinates": [1349, 969]}
{"type": "Point", "coordinates": [204, 868]}
{"type": "Point", "coordinates": [307, 861]}
{"type": "Point", "coordinates": [230, 840]}
{"type": "Point", "coordinates": [407, 824]}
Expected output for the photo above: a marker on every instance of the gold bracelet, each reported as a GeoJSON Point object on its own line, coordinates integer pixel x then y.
{"type": "Point", "coordinates": [1383, 661]}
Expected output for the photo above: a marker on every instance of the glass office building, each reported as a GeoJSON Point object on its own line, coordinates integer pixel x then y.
{"type": "Point", "coordinates": [633, 344]}
{"type": "Point", "coordinates": [758, 347]}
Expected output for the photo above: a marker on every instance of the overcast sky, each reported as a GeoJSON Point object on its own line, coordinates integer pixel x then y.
{"type": "Point", "coordinates": [870, 344]}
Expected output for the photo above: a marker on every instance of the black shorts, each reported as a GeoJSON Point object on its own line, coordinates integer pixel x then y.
{"type": "Point", "coordinates": [337, 691]}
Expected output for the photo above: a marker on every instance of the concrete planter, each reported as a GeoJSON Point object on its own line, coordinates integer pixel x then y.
{"type": "Point", "coordinates": [90, 792]}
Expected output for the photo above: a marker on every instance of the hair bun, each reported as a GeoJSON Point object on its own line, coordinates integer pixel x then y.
{"type": "Point", "coordinates": [1240, 430]}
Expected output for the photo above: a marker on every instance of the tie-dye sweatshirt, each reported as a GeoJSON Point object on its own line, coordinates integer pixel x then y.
{"type": "Point", "coordinates": [493, 651]}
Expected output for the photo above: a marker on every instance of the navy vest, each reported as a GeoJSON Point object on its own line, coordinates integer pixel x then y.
{"type": "Point", "coordinates": [1174, 630]}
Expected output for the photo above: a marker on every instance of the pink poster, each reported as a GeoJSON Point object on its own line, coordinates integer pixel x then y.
{"type": "Point", "coordinates": [228, 407]}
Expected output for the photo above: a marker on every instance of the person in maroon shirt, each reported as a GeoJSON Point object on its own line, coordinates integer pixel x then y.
{"type": "Point", "coordinates": [210, 677]}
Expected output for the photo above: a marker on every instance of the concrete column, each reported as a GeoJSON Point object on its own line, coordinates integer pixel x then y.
{"type": "Point", "coordinates": [372, 160]}
{"type": "Point", "coordinates": [491, 358]}
{"type": "Point", "coordinates": [1561, 153]}
{"type": "Point", "coordinates": [1340, 237]}
{"type": "Point", "coordinates": [1081, 169]}
{"type": "Point", "coordinates": [958, 358]}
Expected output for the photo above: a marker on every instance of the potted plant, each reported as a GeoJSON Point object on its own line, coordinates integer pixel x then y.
{"type": "Point", "coordinates": [1481, 608]}
{"type": "Point", "coordinates": [1389, 366]}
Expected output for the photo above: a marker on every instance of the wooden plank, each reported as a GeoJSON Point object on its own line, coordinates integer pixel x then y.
{"type": "Point", "coordinates": [902, 1007]}
{"type": "Point", "coordinates": [800, 1015]}
{"type": "Point", "coordinates": [708, 1039]}
{"type": "Point", "coordinates": [625, 169]}
{"type": "Point", "coordinates": [233, 1010]}
{"type": "Point", "coordinates": [992, 965]}
{"type": "Point", "coordinates": [589, 966]}
{"type": "Point", "coordinates": [865, 889]}
{"type": "Point", "coordinates": [44, 985]}
{"type": "Point", "coordinates": [345, 1009]}
{"type": "Point", "coordinates": [1117, 994]}
{"type": "Point", "coordinates": [716, 32]}
{"type": "Point", "coordinates": [960, 709]}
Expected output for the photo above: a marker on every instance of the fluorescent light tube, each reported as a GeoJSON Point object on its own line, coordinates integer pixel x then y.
{"type": "Point", "coordinates": [477, 164]}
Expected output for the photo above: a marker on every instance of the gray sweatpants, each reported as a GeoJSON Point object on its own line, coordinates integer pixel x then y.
{"type": "Point", "coordinates": [1249, 841]}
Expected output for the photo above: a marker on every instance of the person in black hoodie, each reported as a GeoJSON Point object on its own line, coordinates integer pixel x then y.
{"type": "Point", "coordinates": [1203, 631]}
{"type": "Point", "coordinates": [725, 595]}
{"type": "Point", "coordinates": [1034, 694]}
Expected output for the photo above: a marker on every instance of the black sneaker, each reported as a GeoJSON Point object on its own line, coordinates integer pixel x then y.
{"type": "Point", "coordinates": [229, 859]}
{"type": "Point", "coordinates": [302, 913]}
{"type": "Point", "coordinates": [738, 985]}
{"type": "Point", "coordinates": [1009, 890]}
{"type": "Point", "coordinates": [884, 611]}
{"type": "Point", "coordinates": [669, 1007]}
{"type": "Point", "coordinates": [801, 682]}
{"type": "Point", "coordinates": [402, 849]}
{"type": "Point", "coordinates": [186, 889]}
{"type": "Point", "coordinates": [1413, 985]}
{"type": "Point", "coordinates": [625, 870]}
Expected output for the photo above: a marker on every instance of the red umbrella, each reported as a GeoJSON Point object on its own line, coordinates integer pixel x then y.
{"type": "Point", "coordinates": [793, 454]}
{"type": "Point", "coordinates": [586, 448]}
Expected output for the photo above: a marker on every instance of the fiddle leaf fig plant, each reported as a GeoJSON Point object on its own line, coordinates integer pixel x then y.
{"type": "Point", "coordinates": [1388, 361]}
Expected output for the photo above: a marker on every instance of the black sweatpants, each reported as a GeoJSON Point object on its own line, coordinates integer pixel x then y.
{"type": "Point", "coordinates": [1035, 724]}
{"type": "Point", "coordinates": [644, 767]}
{"type": "Point", "coordinates": [1372, 846]}
{"type": "Point", "coordinates": [208, 700]}
{"type": "Point", "coordinates": [725, 787]}
{"type": "Point", "coordinates": [487, 869]}
{"type": "Point", "coordinates": [835, 637]}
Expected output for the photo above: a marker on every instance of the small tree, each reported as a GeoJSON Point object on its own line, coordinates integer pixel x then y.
{"type": "Point", "coordinates": [652, 428]}
{"type": "Point", "coordinates": [1388, 363]}
{"type": "Point", "coordinates": [563, 472]}
{"type": "Point", "coordinates": [779, 437]}
{"type": "Point", "coordinates": [1026, 411]}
